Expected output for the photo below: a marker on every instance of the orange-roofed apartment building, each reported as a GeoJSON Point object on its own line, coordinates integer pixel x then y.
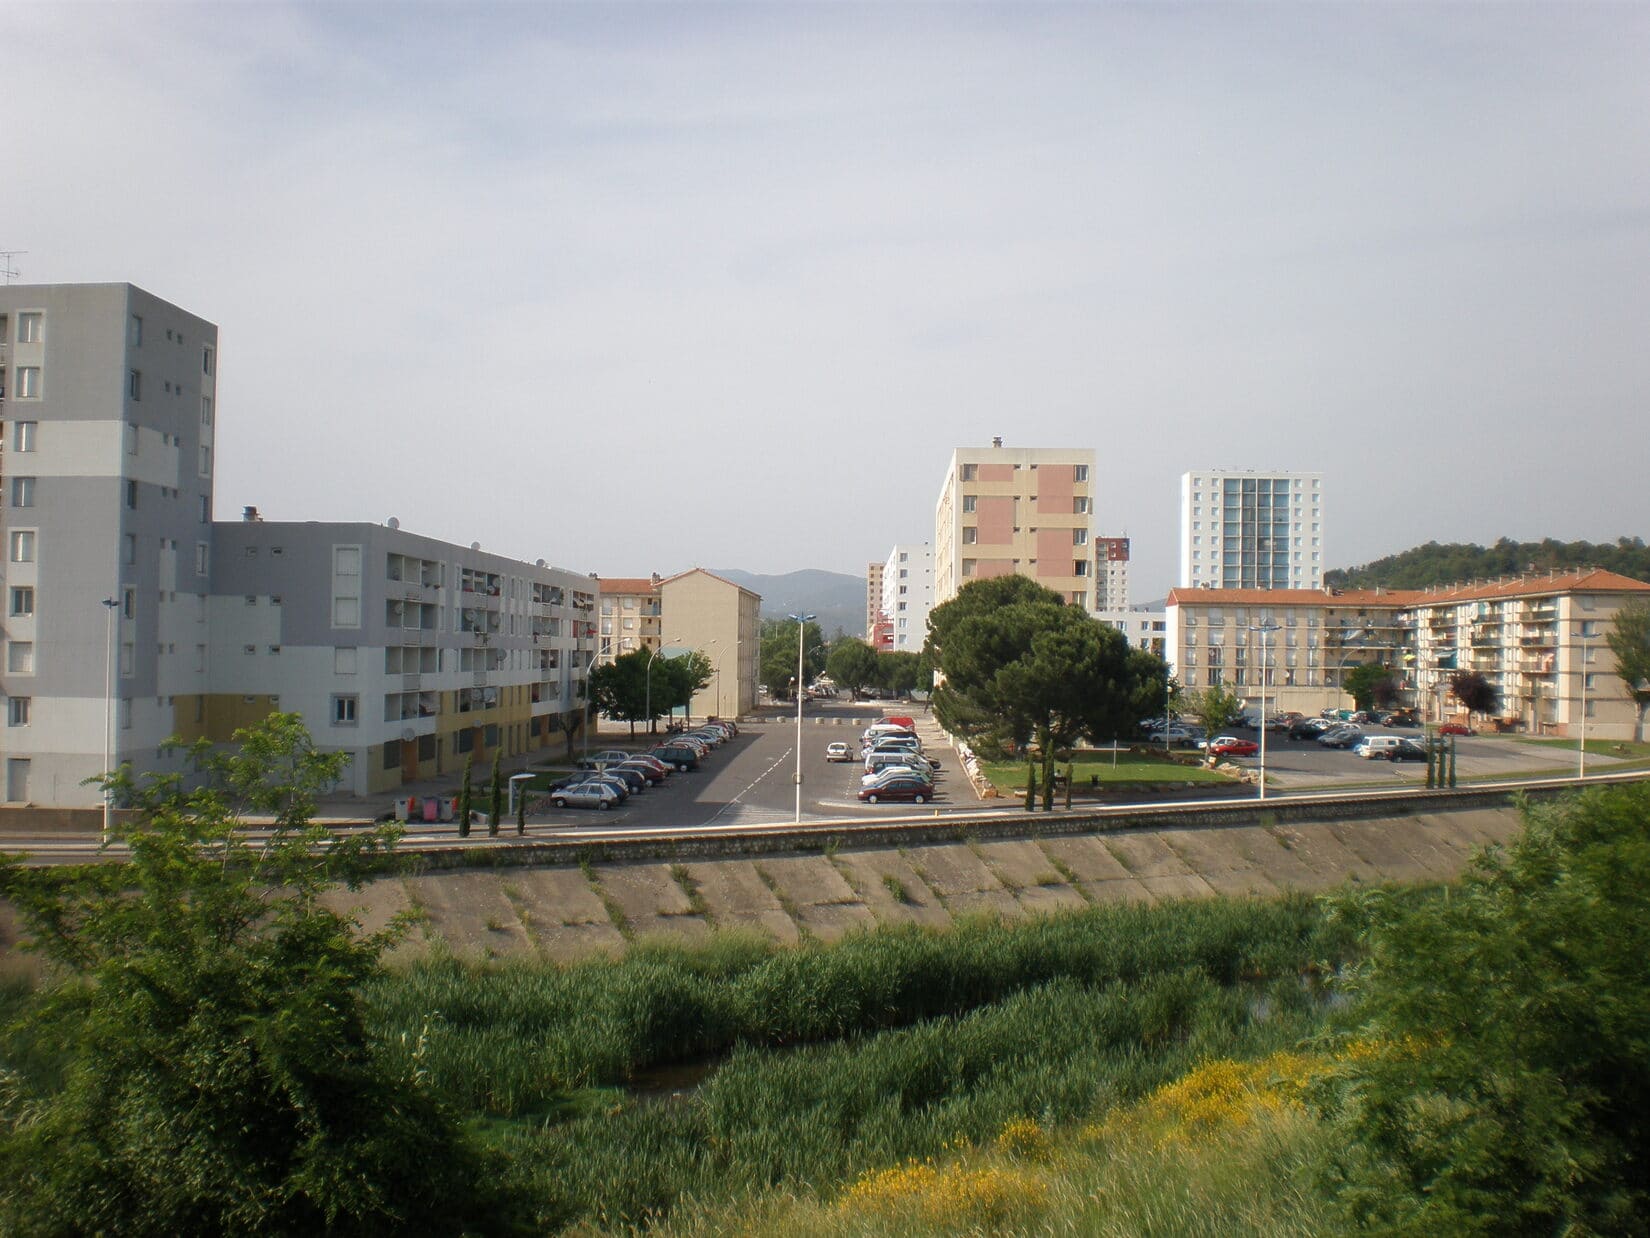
{"type": "Point", "coordinates": [692, 610]}
{"type": "Point", "coordinates": [1538, 638]}
{"type": "Point", "coordinates": [630, 618]}
{"type": "Point", "coordinates": [1022, 510]}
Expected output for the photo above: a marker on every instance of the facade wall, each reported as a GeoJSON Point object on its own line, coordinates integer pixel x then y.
{"type": "Point", "coordinates": [705, 612]}
{"type": "Point", "coordinates": [873, 599]}
{"type": "Point", "coordinates": [109, 409]}
{"type": "Point", "coordinates": [1027, 510]}
{"type": "Point", "coordinates": [631, 617]}
{"type": "Point", "coordinates": [908, 595]}
{"type": "Point", "coordinates": [1539, 641]}
{"type": "Point", "coordinates": [1251, 530]}
{"type": "Point", "coordinates": [409, 653]}
{"type": "Point", "coordinates": [1111, 574]}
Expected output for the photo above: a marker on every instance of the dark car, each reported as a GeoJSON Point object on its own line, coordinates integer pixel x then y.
{"type": "Point", "coordinates": [1340, 737]}
{"type": "Point", "coordinates": [911, 790]}
{"type": "Point", "coordinates": [677, 755]}
{"type": "Point", "coordinates": [1407, 750]}
{"type": "Point", "coordinates": [1306, 728]}
{"type": "Point", "coordinates": [632, 778]}
{"type": "Point", "coordinates": [653, 771]}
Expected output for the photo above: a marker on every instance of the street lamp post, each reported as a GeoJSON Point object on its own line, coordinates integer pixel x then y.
{"type": "Point", "coordinates": [585, 729]}
{"type": "Point", "coordinates": [648, 685]}
{"type": "Point", "coordinates": [1581, 754]}
{"type": "Point", "coordinates": [802, 622]}
{"type": "Point", "coordinates": [109, 605]}
{"type": "Point", "coordinates": [1265, 630]}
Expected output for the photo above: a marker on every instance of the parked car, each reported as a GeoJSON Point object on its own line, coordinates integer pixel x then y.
{"type": "Point", "coordinates": [691, 741]}
{"type": "Point", "coordinates": [1456, 728]}
{"type": "Point", "coordinates": [653, 771]}
{"type": "Point", "coordinates": [633, 779]}
{"type": "Point", "coordinates": [1231, 746]}
{"type": "Point", "coordinates": [895, 771]}
{"type": "Point", "coordinates": [897, 744]}
{"type": "Point", "coordinates": [1408, 750]}
{"type": "Point", "coordinates": [883, 760]}
{"type": "Point", "coordinates": [681, 756]}
{"type": "Point", "coordinates": [912, 790]}
{"type": "Point", "coordinates": [1371, 747]}
{"type": "Point", "coordinates": [1308, 728]}
{"type": "Point", "coordinates": [608, 756]}
{"type": "Point", "coordinates": [838, 752]}
{"type": "Point", "coordinates": [591, 794]}
{"type": "Point", "coordinates": [1181, 734]}
{"type": "Point", "coordinates": [1340, 736]}
{"type": "Point", "coordinates": [648, 759]}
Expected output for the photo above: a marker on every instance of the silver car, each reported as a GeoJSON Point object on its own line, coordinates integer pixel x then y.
{"type": "Point", "coordinates": [591, 794]}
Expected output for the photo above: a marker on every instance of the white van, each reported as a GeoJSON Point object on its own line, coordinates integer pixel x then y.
{"type": "Point", "coordinates": [880, 730]}
{"type": "Point", "coordinates": [1377, 747]}
{"type": "Point", "coordinates": [882, 760]}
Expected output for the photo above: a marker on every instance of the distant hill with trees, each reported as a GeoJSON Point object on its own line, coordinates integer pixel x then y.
{"type": "Point", "coordinates": [1448, 562]}
{"type": "Point", "coordinates": [836, 599]}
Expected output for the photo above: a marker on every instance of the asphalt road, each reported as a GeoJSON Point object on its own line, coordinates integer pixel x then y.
{"type": "Point", "coordinates": [751, 778]}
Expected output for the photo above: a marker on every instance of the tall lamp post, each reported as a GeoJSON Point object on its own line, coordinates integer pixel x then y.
{"type": "Point", "coordinates": [802, 622]}
{"type": "Point", "coordinates": [585, 729]}
{"type": "Point", "coordinates": [1265, 630]}
{"type": "Point", "coordinates": [1581, 754]}
{"type": "Point", "coordinates": [652, 657]}
{"type": "Point", "coordinates": [109, 605]}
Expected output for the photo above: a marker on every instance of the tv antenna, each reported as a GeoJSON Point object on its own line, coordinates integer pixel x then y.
{"type": "Point", "coordinates": [7, 271]}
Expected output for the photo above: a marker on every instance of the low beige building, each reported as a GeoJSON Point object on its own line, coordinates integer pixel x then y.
{"type": "Point", "coordinates": [1540, 639]}
{"type": "Point", "coordinates": [630, 615]}
{"type": "Point", "coordinates": [703, 611]}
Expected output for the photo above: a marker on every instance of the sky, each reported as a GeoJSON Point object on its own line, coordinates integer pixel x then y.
{"type": "Point", "coordinates": [635, 288]}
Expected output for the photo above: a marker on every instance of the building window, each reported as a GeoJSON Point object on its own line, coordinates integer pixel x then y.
{"type": "Point", "coordinates": [203, 551]}
{"type": "Point", "coordinates": [20, 657]}
{"type": "Point", "coordinates": [206, 509]}
{"type": "Point", "coordinates": [22, 600]}
{"type": "Point", "coordinates": [343, 711]}
{"type": "Point", "coordinates": [30, 327]}
{"type": "Point", "coordinates": [968, 503]}
{"type": "Point", "coordinates": [970, 535]}
{"type": "Point", "coordinates": [134, 385]}
{"type": "Point", "coordinates": [1079, 506]}
{"type": "Point", "coordinates": [131, 496]}
{"type": "Point", "coordinates": [205, 461]}
{"type": "Point", "coordinates": [206, 361]}
{"type": "Point", "coordinates": [17, 711]}
{"type": "Point", "coordinates": [970, 472]}
{"type": "Point", "coordinates": [22, 546]}
{"type": "Point", "coordinates": [343, 660]}
{"type": "Point", "coordinates": [206, 410]}
{"type": "Point", "coordinates": [1080, 567]}
{"type": "Point", "coordinates": [346, 560]}
{"type": "Point", "coordinates": [134, 332]}
{"type": "Point", "coordinates": [968, 567]}
{"type": "Point", "coordinates": [346, 612]}
{"type": "Point", "coordinates": [22, 492]}
{"type": "Point", "coordinates": [1079, 472]}
{"type": "Point", "coordinates": [1079, 537]}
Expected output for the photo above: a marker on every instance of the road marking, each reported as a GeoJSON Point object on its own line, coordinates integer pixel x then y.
{"type": "Point", "coordinates": [783, 757]}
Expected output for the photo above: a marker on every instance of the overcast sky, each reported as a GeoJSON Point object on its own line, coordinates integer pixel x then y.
{"type": "Point", "coordinates": [635, 288]}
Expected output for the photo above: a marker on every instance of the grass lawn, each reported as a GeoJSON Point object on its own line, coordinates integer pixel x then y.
{"type": "Point", "coordinates": [1009, 777]}
{"type": "Point", "coordinates": [1631, 749]}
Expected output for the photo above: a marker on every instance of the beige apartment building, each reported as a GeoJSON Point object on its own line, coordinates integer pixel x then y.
{"type": "Point", "coordinates": [1539, 639]}
{"type": "Point", "coordinates": [873, 600]}
{"type": "Point", "coordinates": [630, 615]}
{"type": "Point", "coordinates": [703, 611]}
{"type": "Point", "coordinates": [1022, 510]}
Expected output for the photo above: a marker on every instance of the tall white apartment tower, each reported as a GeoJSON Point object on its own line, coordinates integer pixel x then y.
{"type": "Point", "coordinates": [908, 595]}
{"type": "Point", "coordinates": [106, 395]}
{"type": "Point", "coordinates": [1251, 530]}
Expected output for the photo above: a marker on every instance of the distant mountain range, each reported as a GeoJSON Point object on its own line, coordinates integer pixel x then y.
{"type": "Point", "coordinates": [837, 599]}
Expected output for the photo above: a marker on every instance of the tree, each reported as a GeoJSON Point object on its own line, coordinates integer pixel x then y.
{"type": "Point", "coordinates": [218, 1073]}
{"type": "Point", "coordinates": [1370, 684]}
{"type": "Point", "coordinates": [903, 671]}
{"type": "Point", "coordinates": [1629, 640]}
{"type": "Point", "coordinates": [570, 723]}
{"type": "Point", "coordinates": [466, 800]}
{"type": "Point", "coordinates": [852, 664]}
{"type": "Point", "coordinates": [778, 661]}
{"type": "Point", "coordinates": [621, 688]}
{"type": "Point", "coordinates": [495, 794]}
{"type": "Point", "coordinates": [1019, 665]}
{"type": "Point", "coordinates": [1214, 707]}
{"type": "Point", "coordinates": [685, 675]}
{"type": "Point", "coordinates": [1476, 693]}
{"type": "Point", "coordinates": [1496, 1080]}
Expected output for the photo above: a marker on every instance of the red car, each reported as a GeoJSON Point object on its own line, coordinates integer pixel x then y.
{"type": "Point", "coordinates": [1234, 748]}
{"type": "Point", "coordinates": [1456, 728]}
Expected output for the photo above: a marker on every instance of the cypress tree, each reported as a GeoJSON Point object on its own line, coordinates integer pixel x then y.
{"type": "Point", "coordinates": [464, 798]}
{"type": "Point", "coordinates": [495, 795]}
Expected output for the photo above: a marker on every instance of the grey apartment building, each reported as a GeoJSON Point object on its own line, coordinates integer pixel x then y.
{"type": "Point", "coordinates": [107, 399]}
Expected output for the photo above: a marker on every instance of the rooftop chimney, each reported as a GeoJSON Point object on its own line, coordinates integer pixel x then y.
{"type": "Point", "coordinates": [250, 515]}
{"type": "Point", "coordinates": [997, 441]}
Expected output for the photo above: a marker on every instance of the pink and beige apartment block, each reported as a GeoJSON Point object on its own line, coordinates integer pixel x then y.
{"type": "Point", "coordinates": [1022, 510]}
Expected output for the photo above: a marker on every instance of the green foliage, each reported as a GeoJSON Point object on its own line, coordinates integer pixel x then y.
{"type": "Point", "coordinates": [1369, 684]}
{"type": "Point", "coordinates": [466, 798]}
{"type": "Point", "coordinates": [217, 1075]}
{"type": "Point", "coordinates": [1436, 564]}
{"type": "Point", "coordinates": [901, 672]}
{"type": "Point", "coordinates": [778, 661]}
{"type": "Point", "coordinates": [495, 793]}
{"type": "Point", "coordinates": [852, 664]}
{"type": "Point", "coordinates": [1475, 692]}
{"type": "Point", "coordinates": [1020, 665]}
{"type": "Point", "coordinates": [1499, 1079]}
{"type": "Point", "coordinates": [624, 690]}
{"type": "Point", "coordinates": [1629, 640]}
{"type": "Point", "coordinates": [1214, 707]}
{"type": "Point", "coordinates": [683, 677]}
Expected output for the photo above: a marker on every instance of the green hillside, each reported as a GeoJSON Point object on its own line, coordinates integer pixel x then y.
{"type": "Point", "coordinates": [1444, 563]}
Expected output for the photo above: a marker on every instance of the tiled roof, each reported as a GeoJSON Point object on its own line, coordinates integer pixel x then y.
{"type": "Point", "coordinates": [615, 585]}
{"type": "Point", "coordinates": [1581, 580]}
